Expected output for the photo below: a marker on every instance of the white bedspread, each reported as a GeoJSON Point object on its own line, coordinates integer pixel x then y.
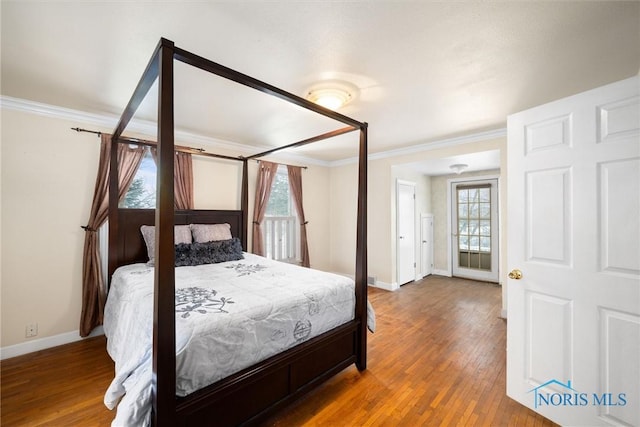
{"type": "Point", "coordinates": [229, 316]}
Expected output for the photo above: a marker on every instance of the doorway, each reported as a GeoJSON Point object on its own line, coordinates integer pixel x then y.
{"type": "Point", "coordinates": [406, 236]}
{"type": "Point", "coordinates": [426, 234]}
{"type": "Point", "coordinates": [474, 229]}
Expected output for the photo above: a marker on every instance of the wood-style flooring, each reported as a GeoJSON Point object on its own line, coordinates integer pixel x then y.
{"type": "Point", "coordinates": [436, 359]}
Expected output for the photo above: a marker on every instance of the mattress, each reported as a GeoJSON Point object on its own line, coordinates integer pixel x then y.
{"type": "Point", "coordinates": [229, 316]}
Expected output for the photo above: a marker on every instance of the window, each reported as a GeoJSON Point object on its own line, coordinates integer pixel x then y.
{"type": "Point", "coordinates": [474, 226]}
{"type": "Point", "coordinates": [281, 226]}
{"type": "Point", "coordinates": [142, 191]}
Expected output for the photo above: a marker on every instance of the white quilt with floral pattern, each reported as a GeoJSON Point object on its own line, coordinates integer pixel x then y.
{"type": "Point", "coordinates": [229, 316]}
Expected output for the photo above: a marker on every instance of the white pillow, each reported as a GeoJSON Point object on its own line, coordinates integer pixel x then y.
{"type": "Point", "coordinates": [203, 233]}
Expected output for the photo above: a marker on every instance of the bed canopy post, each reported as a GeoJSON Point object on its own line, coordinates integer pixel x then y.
{"type": "Point", "coordinates": [164, 368]}
{"type": "Point", "coordinates": [244, 202]}
{"type": "Point", "coordinates": [361, 253]}
{"type": "Point", "coordinates": [160, 67]}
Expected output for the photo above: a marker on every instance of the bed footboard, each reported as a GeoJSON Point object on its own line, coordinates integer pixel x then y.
{"type": "Point", "coordinates": [250, 395]}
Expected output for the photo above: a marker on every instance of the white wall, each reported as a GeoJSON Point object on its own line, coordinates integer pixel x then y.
{"type": "Point", "coordinates": [343, 216]}
{"type": "Point", "coordinates": [217, 183]}
{"type": "Point", "coordinates": [317, 203]}
{"type": "Point", "coordinates": [48, 175]}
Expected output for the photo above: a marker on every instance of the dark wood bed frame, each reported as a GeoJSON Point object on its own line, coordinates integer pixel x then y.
{"type": "Point", "coordinates": [247, 396]}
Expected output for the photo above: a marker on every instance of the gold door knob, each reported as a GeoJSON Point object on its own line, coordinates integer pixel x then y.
{"type": "Point", "coordinates": [515, 274]}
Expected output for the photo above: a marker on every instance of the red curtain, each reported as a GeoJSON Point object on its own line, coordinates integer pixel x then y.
{"type": "Point", "coordinates": [183, 181]}
{"type": "Point", "coordinates": [266, 174]}
{"type": "Point", "coordinates": [182, 178]}
{"type": "Point", "coordinates": [93, 290]}
{"type": "Point", "coordinates": [295, 185]}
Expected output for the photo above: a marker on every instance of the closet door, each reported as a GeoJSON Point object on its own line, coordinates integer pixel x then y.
{"type": "Point", "coordinates": [406, 235]}
{"type": "Point", "coordinates": [426, 252]}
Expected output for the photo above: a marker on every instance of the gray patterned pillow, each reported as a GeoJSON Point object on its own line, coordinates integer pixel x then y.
{"type": "Point", "coordinates": [208, 252]}
{"type": "Point", "coordinates": [181, 234]}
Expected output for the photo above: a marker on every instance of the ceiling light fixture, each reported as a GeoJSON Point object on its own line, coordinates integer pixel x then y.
{"type": "Point", "coordinates": [459, 168]}
{"type": "Point", "coordinates": [331, 94]}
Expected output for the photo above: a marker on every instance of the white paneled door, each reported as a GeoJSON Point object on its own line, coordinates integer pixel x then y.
{"type": "Point", "coordinates": [406, 234]}
{"type": "Point", "coordinates": [426, 244]}
{"type": "Point", "coordinates": [573, 331]}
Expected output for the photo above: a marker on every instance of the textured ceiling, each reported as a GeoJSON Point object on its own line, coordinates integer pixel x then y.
{"type": "Point", "coordinates": [425, 71]}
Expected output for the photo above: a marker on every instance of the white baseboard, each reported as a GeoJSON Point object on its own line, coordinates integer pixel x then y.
{"type": "Point", "coordinates": [503, 314]}
{"type": "Point", "coordinates": [386, 286]}
{"type": "Point", "coordinates": [378, 283]}
{"type": "Point", "coordinates": [442, 273]}
{"type": "Point", "coordinates": [44, 343]}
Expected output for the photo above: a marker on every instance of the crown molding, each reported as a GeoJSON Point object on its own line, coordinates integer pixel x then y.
{"type": "Point", "coordinates": [143, 127]}
{"type": "Point", "coordinates": [428, 146]}
{"type": "Point", "coordinates": [146, 127]}
{"type": "Point", "coordinates": [53, 111]}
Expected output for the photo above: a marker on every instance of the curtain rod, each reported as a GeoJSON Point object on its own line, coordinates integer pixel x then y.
{"type": "Point", "coordinates": [278, 163]}
{"type": "Point", "coordinates": [180, 148]}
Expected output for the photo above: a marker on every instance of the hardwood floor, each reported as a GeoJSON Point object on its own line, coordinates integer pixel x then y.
{"type": "Point", "coordinates": [63, 386]}
{"type": "Point", "coordinates": [437, 358]}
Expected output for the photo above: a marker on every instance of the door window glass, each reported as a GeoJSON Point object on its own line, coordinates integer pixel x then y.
{"type": "Point", "coordinates": [474, 226]}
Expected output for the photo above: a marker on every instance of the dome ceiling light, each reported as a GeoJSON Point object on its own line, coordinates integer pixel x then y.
{"type": "Point", "coordinates": [459, 168]}
{"type": "Point", "coordinates": [331, 94]}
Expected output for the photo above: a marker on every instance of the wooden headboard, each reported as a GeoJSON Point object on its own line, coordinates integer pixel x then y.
{"type": "Point", "coordinates": [131, 247]}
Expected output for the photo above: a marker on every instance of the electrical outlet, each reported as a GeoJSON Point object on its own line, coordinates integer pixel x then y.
{"type": "Point", "coordinates": [31, 330]}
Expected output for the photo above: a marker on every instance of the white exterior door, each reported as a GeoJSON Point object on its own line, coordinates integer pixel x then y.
{"type": "Point", "coordinates": [426, 232]}
{"type": "Point", "coordinates": [406, 236]}
{"type": "Point", "coordinates": [475, 238]}
{"type": "Point", "coordinates": [573, 330]}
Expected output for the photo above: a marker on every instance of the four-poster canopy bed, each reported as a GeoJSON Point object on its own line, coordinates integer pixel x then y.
{"type": "Point", "coordinates": [253, 392]}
